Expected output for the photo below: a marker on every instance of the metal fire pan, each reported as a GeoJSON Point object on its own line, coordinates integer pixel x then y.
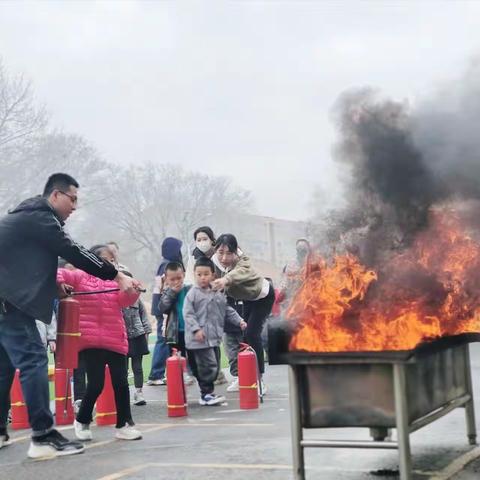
{"type": "Point", "coordinates": [362, 394]}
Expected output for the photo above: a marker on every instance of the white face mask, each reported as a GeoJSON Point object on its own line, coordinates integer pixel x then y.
{"type": "Point", "coordinates": [204, 245]}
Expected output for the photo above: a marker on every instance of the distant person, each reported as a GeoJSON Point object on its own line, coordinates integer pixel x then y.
{"type": "Point", "coordinates": [171, 252]}
{"type": "Point", "coordinates": [239, 280]}
{"type": "Point", "coordinates": [294, 271]}
{"type": "Point", "coordinates": [206, 312]}
{"type": "Point", "coordinates": [31, 240]}
{"type": "Point", "coordinates": [103, 341]}
{"type": "Point", "coordinates": [138, 328]}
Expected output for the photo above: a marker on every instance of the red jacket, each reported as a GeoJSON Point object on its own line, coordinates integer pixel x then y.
{"type": "Point", "coordinates": [101, 320]}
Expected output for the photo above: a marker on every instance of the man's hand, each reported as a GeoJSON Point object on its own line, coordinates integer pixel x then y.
{"type": "Point", "coordinates": [219, 284]}
{"type": "Point", "coordinates": [243, 324]}
{"type": "Point", "coordinates": [199, 336]}
{"type": "Point", "coordinates": [52, 345]}
{"type": "Point", "coordinates": [64, 290]}
{"type": "Point", "coordinates": [127, 284]}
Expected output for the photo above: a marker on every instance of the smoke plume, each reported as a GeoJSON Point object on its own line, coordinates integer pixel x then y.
{"type": "Point", "coordinates": [402, 161]}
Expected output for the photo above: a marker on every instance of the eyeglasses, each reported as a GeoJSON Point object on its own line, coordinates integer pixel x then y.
{"type": "Point", "coordinates": [72, 198]}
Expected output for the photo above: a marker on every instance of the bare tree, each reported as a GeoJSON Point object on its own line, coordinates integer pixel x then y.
{"type": "Point", "coordinates": [20, 118]}
{"type": "Point", "coordinates": [150, 201]}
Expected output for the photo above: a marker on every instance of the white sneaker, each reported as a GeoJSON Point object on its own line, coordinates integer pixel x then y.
{"type": "Point", "coordinates": [154, 383]}
{"type": "Point", "coordinates": [82, 431]}
{"type": "Point", "coordinates": [53, 445]}
{"type": "Point", "coordinates": [139, 399]}
{"type": "Point", "coordinates": [233, 387]}
{"type": "Point", "coordinates": [188, 379]}
{"type": "Point", "coordinates": [5, 440]}
{"type": "Point", "coordinates": [128, 433]}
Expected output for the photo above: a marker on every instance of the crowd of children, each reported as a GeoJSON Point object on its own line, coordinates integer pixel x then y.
{"type": "Point", "coordinates": [225, 300]}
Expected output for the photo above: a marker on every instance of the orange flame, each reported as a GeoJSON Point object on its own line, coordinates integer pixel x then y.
{"type": "Point", "coordinates": [426, 292]}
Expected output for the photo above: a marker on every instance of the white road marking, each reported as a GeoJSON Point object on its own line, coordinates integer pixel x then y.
{"type": "Point", "coordinates": [457, 465]}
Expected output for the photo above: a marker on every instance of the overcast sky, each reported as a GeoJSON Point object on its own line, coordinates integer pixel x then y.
{"type": "Point", "coordinates": [239, 88]}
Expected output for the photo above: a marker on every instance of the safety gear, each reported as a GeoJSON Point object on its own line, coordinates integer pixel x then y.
{"type": "Point", "coordinates": [176, 395]}
{"type": "Point", "coordinates": [247, 377]}
{"type": "Point", "coordinates": [68, 333]}
{"type": "Point", "coordinates": [204, 245]}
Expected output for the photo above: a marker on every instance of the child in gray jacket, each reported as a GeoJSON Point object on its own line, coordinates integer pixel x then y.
{"type": "Point", "coordinates": [205, 313]}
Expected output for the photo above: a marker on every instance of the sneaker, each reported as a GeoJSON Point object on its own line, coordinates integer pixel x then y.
{"type": "Point", "coordinates": [154, 383]}
{"type": "Point", "coordinates": [53, 444]}
{"type": "Point", "coordinates": [128, 433]}
{"type": "Point", "coordinates": [220, 379]}
{"type": "Point", "coordinates": [76, 406]}
{"type": "Point", "coordinates": [5, 440]}
{"type": "Point", "coordinates": [139, 399]}
{"type": "Point", "coordinates": [82, 431]}
{"type": "Point", "coordinates": [233, 387]}
{"type": "Point", "coordinates": [188, 379]}
{"type": "Point", "coordinates": [211, 399]}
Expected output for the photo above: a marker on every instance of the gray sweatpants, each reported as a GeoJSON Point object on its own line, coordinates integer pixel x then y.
{"type": "Point", "coordinates": [232, 347]}
{"type": "Point", "coordinates": [205, 363]}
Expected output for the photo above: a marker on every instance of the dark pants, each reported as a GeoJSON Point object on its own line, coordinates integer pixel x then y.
{"type": "Point", "coordinates": [137, 369]}
{"type": "Point", "coordinates": [160, 354]}
{"type": "Point", "coordinates": [205, 364]}
{"type": "Point", "coordinates": [256, 313]}
{"type": "Point", "coordinates": [79, 381]}
{"type": "Point", "coordinates": [22, 348]}
{"type": "Point", "coordinates": [95, 360]}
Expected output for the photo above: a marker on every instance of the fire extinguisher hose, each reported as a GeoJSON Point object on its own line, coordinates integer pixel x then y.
{"type": "Point", "coordinates": [108, 290]}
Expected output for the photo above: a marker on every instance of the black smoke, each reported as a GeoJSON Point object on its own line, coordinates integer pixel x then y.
{"type": "Point", "coordinates": [402, 161]}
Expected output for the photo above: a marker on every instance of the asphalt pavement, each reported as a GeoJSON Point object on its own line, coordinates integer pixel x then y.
{"type": "Point", "coordinates": [224, 442]}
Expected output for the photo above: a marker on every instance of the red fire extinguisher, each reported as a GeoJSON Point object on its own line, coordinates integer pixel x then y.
{"type": "Point", "coordinates": [68, 333]}
{"type": "Point", "coordinates": [248, 377]}
{"type": "Point", "coordinates": [176, 395]}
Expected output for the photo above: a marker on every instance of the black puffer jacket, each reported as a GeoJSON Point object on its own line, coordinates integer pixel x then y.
{"type": "Point", "coordinates": [31, 240]}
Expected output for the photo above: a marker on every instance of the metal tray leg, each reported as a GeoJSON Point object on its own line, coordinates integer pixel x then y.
{"type": "Point", "coordinates": [469, 407]}
{"type": "Point", "coordinates": [401, 414]}
{"type": "Point", "coordinates": [296, 424]}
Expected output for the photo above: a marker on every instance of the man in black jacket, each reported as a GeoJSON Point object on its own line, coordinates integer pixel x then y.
{"type": "Point", "coordinates": [31, 240]}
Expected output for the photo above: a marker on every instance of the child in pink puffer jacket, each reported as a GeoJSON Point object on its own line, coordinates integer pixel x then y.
{"type": "Point", "coordinates": [103, 341]}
